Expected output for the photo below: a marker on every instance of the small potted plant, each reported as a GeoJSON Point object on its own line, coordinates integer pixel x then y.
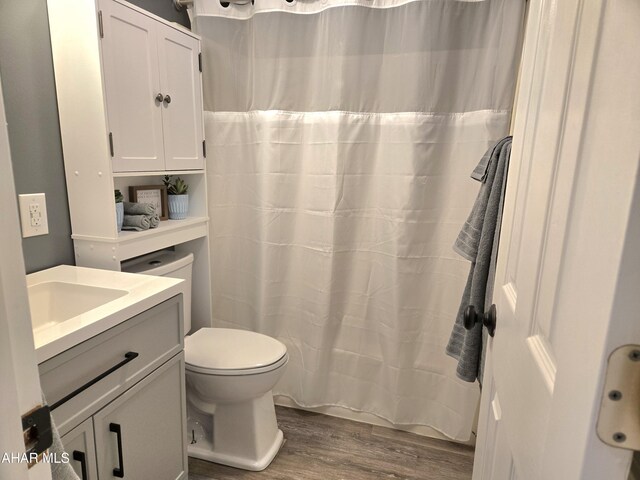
{"type": "Point", "coordinates": [119, 209]}
{"type": "Point", "coordinates": [178, 197]}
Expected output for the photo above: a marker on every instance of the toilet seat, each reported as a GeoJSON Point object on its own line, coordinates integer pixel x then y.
{"type": "Point", "coordinates": [224, 351]}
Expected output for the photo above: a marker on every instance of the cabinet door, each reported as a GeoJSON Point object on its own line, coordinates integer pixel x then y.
{"type": "Point", "coordinates": [142, 433]}
{"type": "Point", "coordinates": [78, 443]}
{"type": "Point", "coordinates": [180, 79]}
{"type": "Point", "coordinates": [132, 83]}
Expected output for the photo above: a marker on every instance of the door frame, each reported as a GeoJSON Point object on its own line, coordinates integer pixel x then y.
{"type": "Point", "coordinates": [20, 381]}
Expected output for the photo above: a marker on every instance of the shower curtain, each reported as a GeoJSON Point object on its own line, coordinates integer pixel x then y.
{"type": "Point", "coordinates": [341, 135]}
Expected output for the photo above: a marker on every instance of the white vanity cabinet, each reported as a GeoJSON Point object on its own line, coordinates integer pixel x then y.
{"type": "Point", "coordinates": [131, 422]}
{"type": "Point", "coordinates": [153, 91]}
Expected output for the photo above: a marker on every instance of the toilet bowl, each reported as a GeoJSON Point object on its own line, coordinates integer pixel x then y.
{"type": "Point", "coordinates": [230, 374]}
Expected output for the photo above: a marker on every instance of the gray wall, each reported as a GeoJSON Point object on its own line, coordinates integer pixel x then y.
{"type": "Point", "coordinates": [26, 69]}
{"type": "Point", "coordinates": [34, 132]}
{"type": "Point", "coordinates": [164, 9]}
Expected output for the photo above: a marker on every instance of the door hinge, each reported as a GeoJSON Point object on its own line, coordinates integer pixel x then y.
{"type": "Point", "coordinates": [619, 415]}
{"type": "Point", "coordinates": [111, 143]}
{"type": "Point", "coordinates": [204, 148]}
{"type": "Point", "coordinates": [100, 27]}
{"type": "Point", "coordinates": [36, 430]}
{"type": "Point", "coordinates": [200, 61]}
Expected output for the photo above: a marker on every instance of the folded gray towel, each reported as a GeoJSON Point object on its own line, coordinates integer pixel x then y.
{"type": "Point", "coordinates": [154, 221]}
{"type": "Point", "coordinates": [478, 243]}
{"type": "Point", "coordinates": [139, 208]}
{"type": "Point", "coordinates": [136, 222]}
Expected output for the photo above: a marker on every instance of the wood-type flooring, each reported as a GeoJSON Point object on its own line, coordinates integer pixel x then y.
{"type": "Point", "coordinates": [320, 447]}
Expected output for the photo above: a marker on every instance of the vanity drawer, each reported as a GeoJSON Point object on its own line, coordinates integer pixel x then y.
{"type": "Point", "coordinates": [106, 365]}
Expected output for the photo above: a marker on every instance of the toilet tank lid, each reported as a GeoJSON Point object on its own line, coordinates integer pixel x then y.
{"type": "Point", "coordinates": [230, 349]}
{"type": "Point", "coordinates": [158, 263]}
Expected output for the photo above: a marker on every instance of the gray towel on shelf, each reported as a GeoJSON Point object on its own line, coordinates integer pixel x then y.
{"type": "Point", "coordinates": [478, 243]}
{"type": "Point", "coordinates": [139, 208]}
{"type": "Point", "coordinates": [154, 221]}
{"type": "Point", "coordinates": [136, 222]}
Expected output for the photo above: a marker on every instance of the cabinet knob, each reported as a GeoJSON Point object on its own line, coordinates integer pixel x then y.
{"type": "Point", "coordinates": [159, 97]}
{"type": "Point", "coordinates": [167, 99]}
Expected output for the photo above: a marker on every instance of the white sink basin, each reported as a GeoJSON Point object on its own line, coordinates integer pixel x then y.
{"type": "Point", "coordinates": [70, 305]}
{"type": "Point", "coordinates": [55, 302]}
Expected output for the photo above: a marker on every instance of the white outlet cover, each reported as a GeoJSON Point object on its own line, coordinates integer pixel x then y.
{"type": "Point", "coordinates": [33, 214]}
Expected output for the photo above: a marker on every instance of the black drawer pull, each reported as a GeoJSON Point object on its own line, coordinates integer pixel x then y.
{"type": "Point", "coordinates": [127, 358]}
{"type": "Point", "coordinates": [80, 457]}
{"type": "Point", "coordinates": [119, 471]}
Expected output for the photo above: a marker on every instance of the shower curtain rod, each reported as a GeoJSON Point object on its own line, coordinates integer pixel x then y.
{"type": "Point", "coordinates": [182, 4]}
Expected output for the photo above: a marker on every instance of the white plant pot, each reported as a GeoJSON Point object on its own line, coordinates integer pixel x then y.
{"type": "Point", "coordinates": [178, 206]}
{"type": "Point", "coordinates": [119, 215]}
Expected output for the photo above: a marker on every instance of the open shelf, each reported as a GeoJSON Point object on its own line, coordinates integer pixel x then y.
{"type": "Point", "coordinates": [165, 226]}
{"type": "Point", "coordinates": [129, 244]}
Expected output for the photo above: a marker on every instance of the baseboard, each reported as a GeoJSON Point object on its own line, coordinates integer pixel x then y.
{"type": "Point", "coordinates": [363, 417]}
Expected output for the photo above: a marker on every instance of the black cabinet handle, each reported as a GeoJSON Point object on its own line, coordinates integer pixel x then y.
{"type": "Point", "coordinates": [167, 99]}
{"type": "Point", "coordinates": [127, 358]}
{"type": "Point", "coordinates": [159, 97]}
{"type": "Point", "coordinates": [115, 428]}
{"type": "Point", "coordinates": [80, 457]}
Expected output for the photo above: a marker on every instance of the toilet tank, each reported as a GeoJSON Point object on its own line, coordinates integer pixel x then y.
{"type": "Point", "coordinates": [166, 263]}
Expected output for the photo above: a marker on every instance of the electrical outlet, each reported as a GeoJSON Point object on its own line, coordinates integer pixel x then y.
{"type": "Point", "coordinates": [33, 214]}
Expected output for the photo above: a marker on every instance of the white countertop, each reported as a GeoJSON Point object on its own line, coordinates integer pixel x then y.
{"type": "Point", "coordinates": [142, 293]}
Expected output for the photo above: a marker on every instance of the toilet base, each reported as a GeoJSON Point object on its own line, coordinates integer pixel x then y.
{"type": "Point", "coordinates": [204, 451]}
{"type": "Point", "coordinates": [242, 435]}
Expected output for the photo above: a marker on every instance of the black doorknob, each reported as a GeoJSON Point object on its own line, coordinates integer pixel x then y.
{"type": "Point", "coordinates": [489, 319]}
{"type": "Point", "coordinates": [167, 99]}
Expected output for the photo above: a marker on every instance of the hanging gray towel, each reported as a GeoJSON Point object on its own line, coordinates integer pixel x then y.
{"type": "Point", "coordinates": [478, 243]}
{"type": "Point", "coordinates": [61, 471]}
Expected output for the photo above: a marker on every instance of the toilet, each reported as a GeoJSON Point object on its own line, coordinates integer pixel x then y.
{"type": "Point", "coordinates": [230, 374]}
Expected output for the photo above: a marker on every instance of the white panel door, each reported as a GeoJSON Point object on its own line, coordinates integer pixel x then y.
{"type": "Point", "coordinates": [132, 83]}
{"type": "Point", "coordinates": [180, 79]}
{"type": "Point", "coordinates": [569, 260]}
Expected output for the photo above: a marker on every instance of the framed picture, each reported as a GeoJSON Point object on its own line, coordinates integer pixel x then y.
{"type": "Point", "coordinates": [153, 194]}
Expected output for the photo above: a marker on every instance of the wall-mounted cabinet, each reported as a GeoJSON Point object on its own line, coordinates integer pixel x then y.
{"type": "Point", "coordinates": [129, 91]}
{"type": "Point", "coordinates": [153, 93]}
